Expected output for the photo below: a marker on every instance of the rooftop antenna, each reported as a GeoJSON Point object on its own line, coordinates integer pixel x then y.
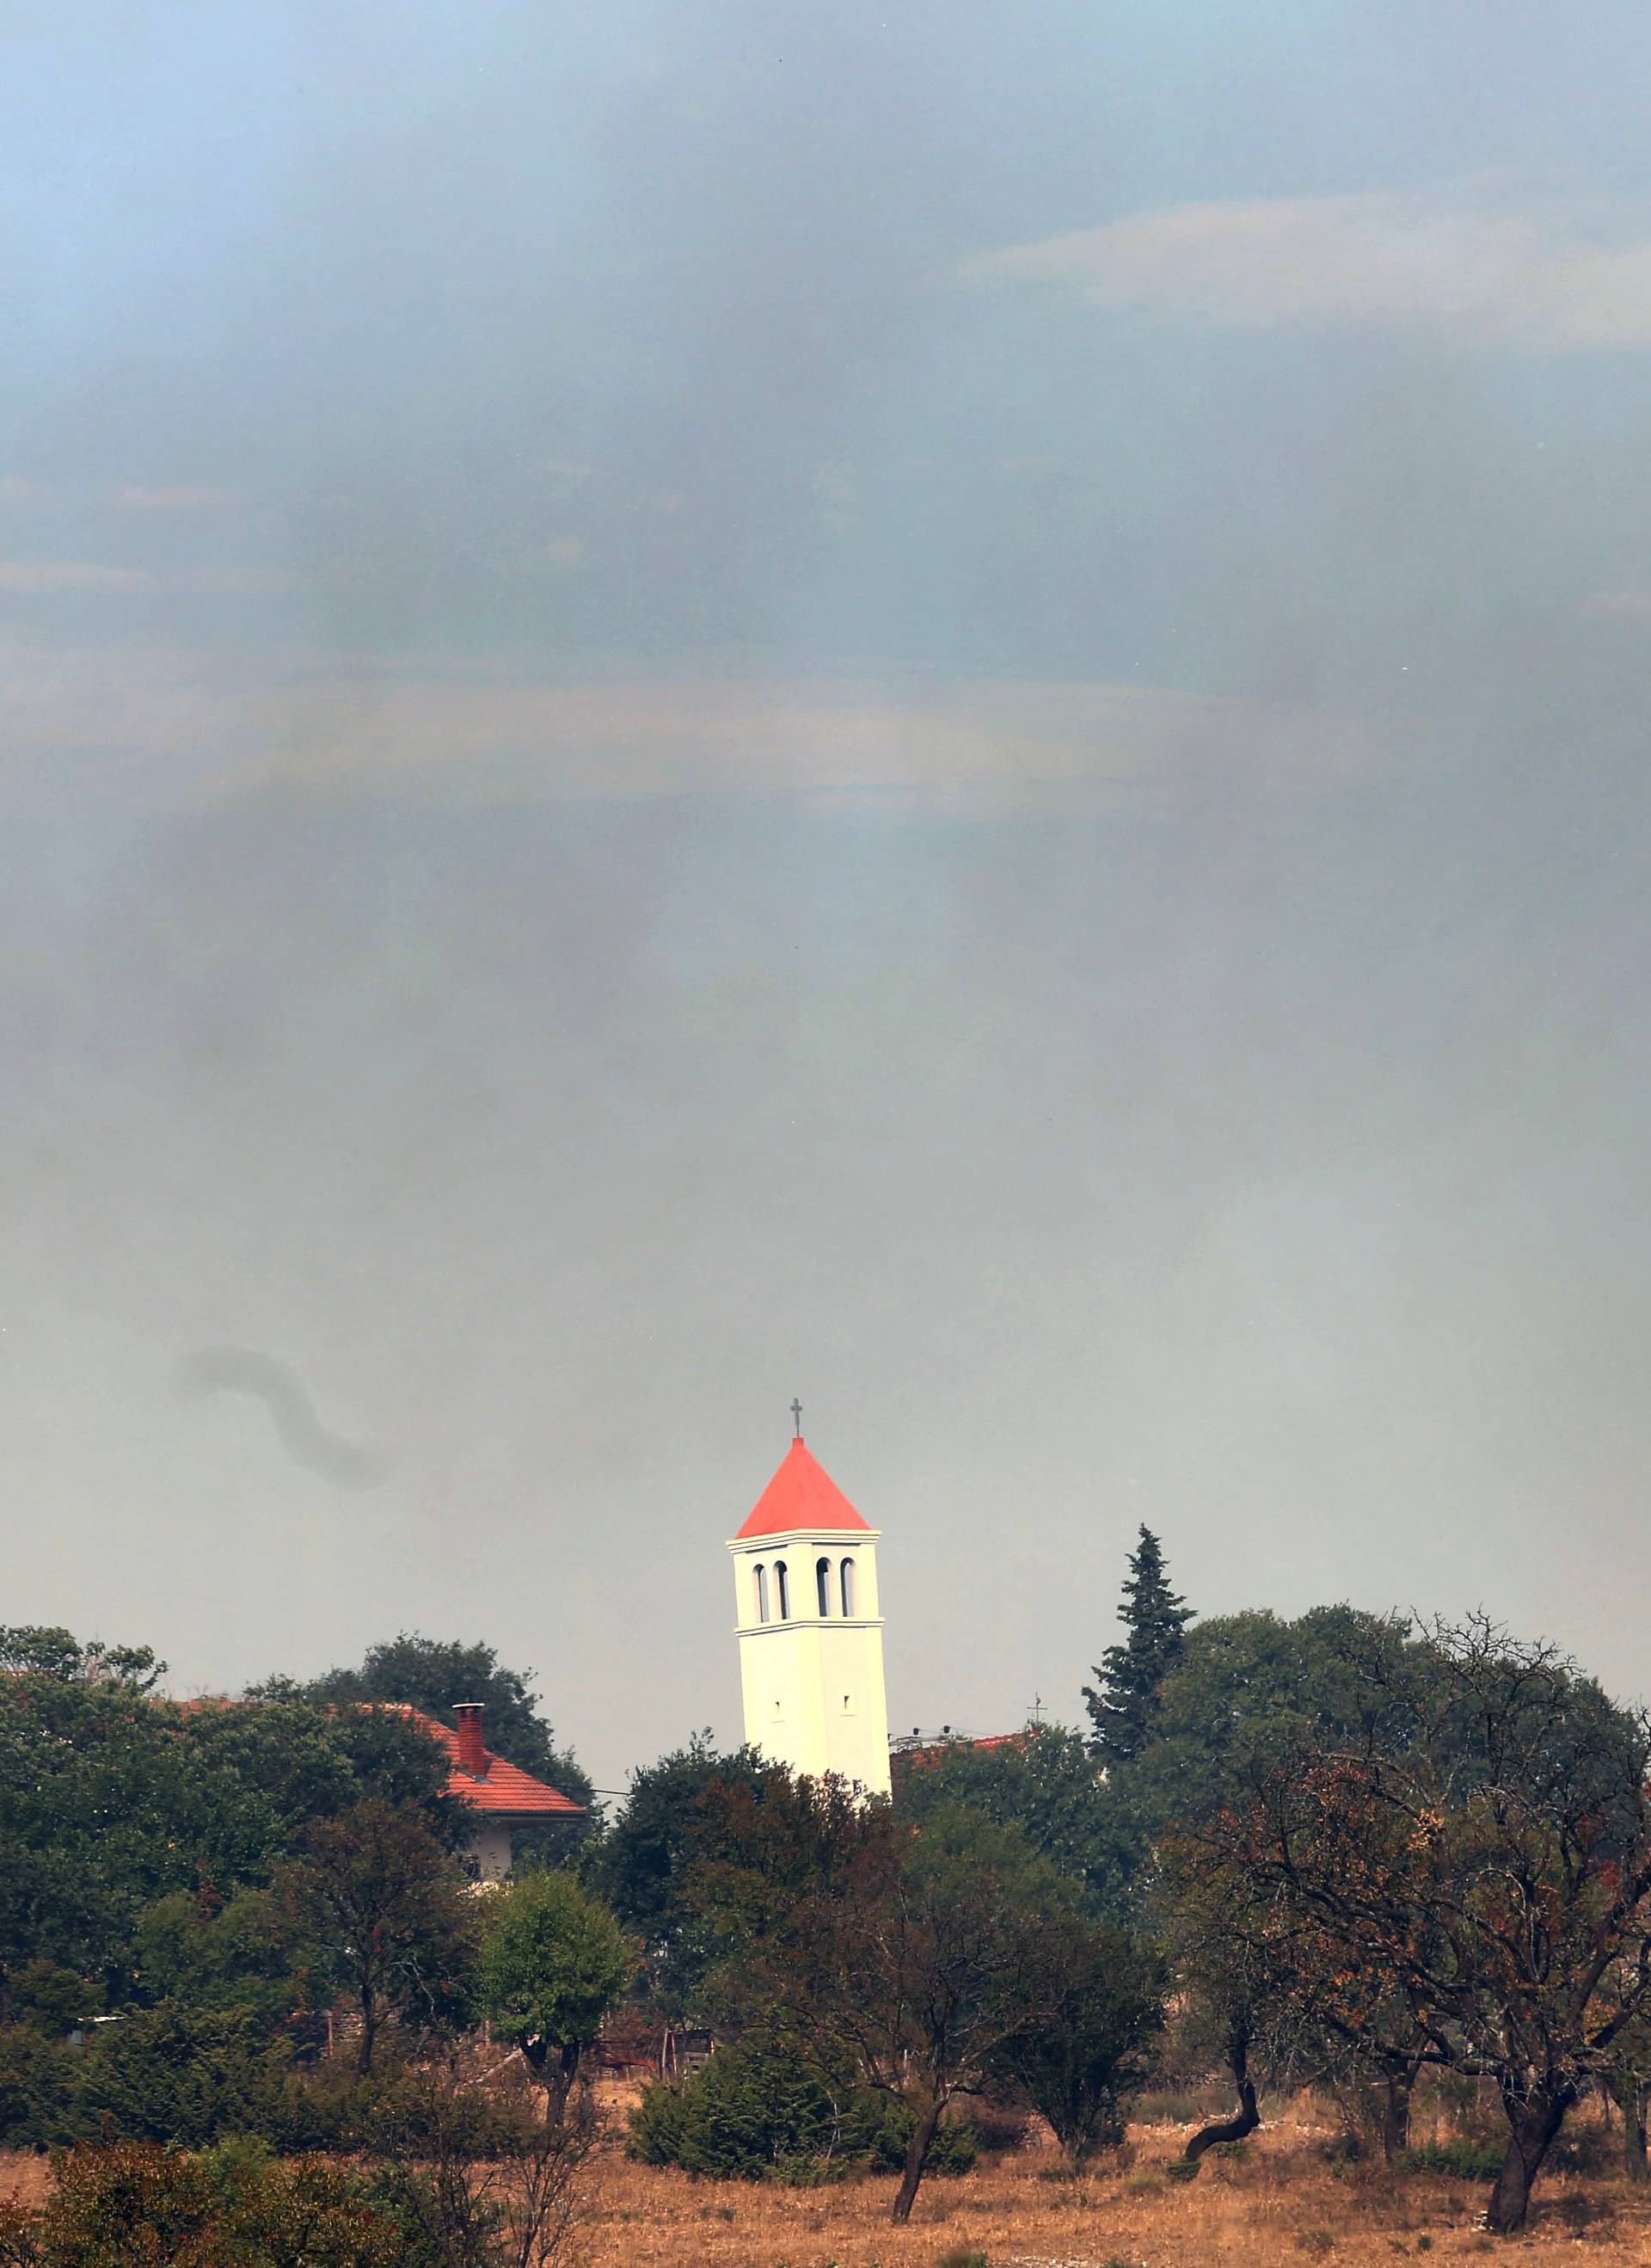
{"type": "Point", "coordinates": [797, 1419]}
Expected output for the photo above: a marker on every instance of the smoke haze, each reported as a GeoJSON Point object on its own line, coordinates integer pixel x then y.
{"type": "Point", "coordinates": [940, 713]}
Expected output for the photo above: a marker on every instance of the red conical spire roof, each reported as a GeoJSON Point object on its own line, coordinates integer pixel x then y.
{"type": "Point", "coordinates": [801, 1494]}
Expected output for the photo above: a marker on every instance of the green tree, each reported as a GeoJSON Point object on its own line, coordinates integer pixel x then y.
{"type": "Point", "coordinates": [35, 1650]}
{"type": "Point", "coordinates": [54, 2000]}
{"type": "Point", "coordinates": [1246, 1690]}
{"type": "Point", "coordinates": [1122, 1707]}
{"type": "Point", "coordinates": [555, 1962]}
{"type": "Point", "coordinates": [1106, 2009]}
{"type": "Point", "coordinates": [307, 1761]}
{"type": "Point", "coordinates": [1484, 1856]}
{"type": "Point", "coordinates": [757, 1847]}
{"type": "Point", "coordinates": [913, 1959]}
{"type": "Point", "coordinates": [434, 1675]}
{"type": "Point", "coordinates": [640, 1864]}
{"type": "Point", "coordinates": [379, 1894]}
{"type": "Point", "coordinates": [111, 1799]}
{"type": "Point", "coordinates": [201, 1951]}
{"type": "Point", "coordinates": [1045, 1781]}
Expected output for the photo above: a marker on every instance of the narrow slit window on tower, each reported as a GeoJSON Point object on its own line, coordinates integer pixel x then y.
{"type": "Point", "coordinates": [782, 1588]}
{"type": "Point", "coordinates": [822, 1585]}
{"type": "Point", "coordinates": [846, 1579]}
{"type": "Point", "coordinates": [762, 1594]}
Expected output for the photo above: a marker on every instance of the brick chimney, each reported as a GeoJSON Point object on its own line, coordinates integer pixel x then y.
{"type": "Point", "coordinates": [473, 1757]}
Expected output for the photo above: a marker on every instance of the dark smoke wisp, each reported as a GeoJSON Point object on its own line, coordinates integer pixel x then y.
{"type": "Point", "coordinates": [240, 1370]}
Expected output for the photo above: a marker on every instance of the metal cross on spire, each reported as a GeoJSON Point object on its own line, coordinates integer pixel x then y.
{"type": "Point", "coordinates": [796, 1418]}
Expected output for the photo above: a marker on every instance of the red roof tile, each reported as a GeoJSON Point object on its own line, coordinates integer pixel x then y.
{"type": "Point", "coordinates": [801, 1494]}
{"type": "Point", "coordinates": [506, 1792]}
{"type": "Point", "coordinates": [934, 1752]}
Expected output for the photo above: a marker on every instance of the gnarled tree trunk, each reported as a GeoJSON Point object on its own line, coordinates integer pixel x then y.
{"type": "Point", "coordinates": [916, 2158]}
{"type": "Point", "coordinates": [1396, 2094]}
{"type": "Point", "coordinates": [1231, 2129]}
{"type": "Point", "coordinates": [369, 2035]}
{"type": "Point", "coordinates": [1534, 2121]}
{"type": "Point", "coordinates": [1633, 2098]}
{"type": "Point", "coordinates": [555, 2069]}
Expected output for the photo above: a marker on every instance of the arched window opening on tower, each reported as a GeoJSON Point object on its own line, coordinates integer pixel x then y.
{"type": "Point", "coordinates": [782, 1587]}
{"type": "Point", "coordinates": [822, 1585]}
{"type": "Point", "coordinates": [846, 1583]}
{"type": "Point", "coordinates": [762, 1594]}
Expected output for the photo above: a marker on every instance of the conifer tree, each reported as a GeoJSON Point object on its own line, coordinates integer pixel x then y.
{"type": "Point", "coordinates": [1121, 1709]}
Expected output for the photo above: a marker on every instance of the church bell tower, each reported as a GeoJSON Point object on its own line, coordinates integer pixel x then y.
{"type": "Point", "coordinates": [810, 1635]}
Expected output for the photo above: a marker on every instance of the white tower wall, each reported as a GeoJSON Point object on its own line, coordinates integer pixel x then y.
{"type": "Point", "coordinates": [812, 1682]}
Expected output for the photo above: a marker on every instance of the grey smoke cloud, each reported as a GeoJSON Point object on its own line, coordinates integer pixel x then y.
{"type": "Point", "coordinates": [639, 772]}
{"type": "Point", "coordinates": [240, 1370]}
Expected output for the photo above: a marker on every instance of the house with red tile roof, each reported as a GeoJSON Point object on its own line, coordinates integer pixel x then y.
{"type": "Point", "coordinates": [500, 1794]}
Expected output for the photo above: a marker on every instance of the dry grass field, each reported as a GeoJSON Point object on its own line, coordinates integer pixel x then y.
{"type": "Point", "coordinates": [1282, 2203]}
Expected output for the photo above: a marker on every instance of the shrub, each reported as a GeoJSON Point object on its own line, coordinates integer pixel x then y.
{"type": "Point", "coordinates": [757, 2112]}
{"type": "Point", "coordinates": [1464, 2162]}
{"type": "Point", "coordinates": [410, 2114]}
{"type": "Point", "coordinates": [193, 2079]}
{"type": "Point", "coordinates": [658, 2124]}
{"type": "Point", "coordinates": [187, 2077]}
{"type": "Point", "coordinates": [1181, 2170]}
{"type": "Point", "coordinates": [998, 2126]}
{"type": "Point", "coordinates": [752, 2112]}
{"type": "Point", "coordinates": [113, 2209]}
{"type": "Point", "coordinates": [953, 2150]}
{"type": "Point", "coordinates": [166, 2075]}
{"type": "Point", "coordinates": [418, 2196]}
{"type": "Point", "coordinates": [1585, 2149]}
{"type": "Point", "coordinates": [1183, 2106]}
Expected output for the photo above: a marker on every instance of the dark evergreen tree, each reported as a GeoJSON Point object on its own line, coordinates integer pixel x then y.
{"type": "Point", "coordinates": [1121, 1708]}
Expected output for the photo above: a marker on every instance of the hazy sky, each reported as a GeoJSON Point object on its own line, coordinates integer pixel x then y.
{"type": "Point", "coordinates": [941, 705]}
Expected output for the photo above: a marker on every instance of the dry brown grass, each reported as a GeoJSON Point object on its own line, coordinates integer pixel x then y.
{"type": "Point", "coordinates": [23, 2177]}
{"type": "Point", "coordinates": [1281, 2204]}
